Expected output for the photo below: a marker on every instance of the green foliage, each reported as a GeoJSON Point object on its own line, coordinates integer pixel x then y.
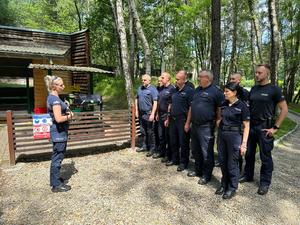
{"type": "Point", "coordinates": [295, 107]}
{"type": "Point", "coordinates": [113, 90]}
{"type": "Point", "coordinates": [7, 17]}
{"type": "Point", "coordinates": [178, 32]}
{"type": "Point", "coordinates": [102, 36]}
{"type": "Point", "coordinates": [285, 127]}
{"type": "Point", "coordinates": [51, 15]}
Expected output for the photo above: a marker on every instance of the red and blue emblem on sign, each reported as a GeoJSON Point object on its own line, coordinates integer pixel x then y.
{"type": "Point", "coordinates": [41, 126]}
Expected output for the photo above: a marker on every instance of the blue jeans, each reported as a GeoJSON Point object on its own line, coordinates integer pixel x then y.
{"type": "Point", "coordinates": [59, 149]}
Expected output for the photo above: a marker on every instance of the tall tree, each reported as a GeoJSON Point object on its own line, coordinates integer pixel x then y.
{"type": "Point", "coordinates": [255, 29]}
{"type": "Point", "coordinates": [132, 35]}
{"type": "Point", "coordinates": [124, 49]}
{"type": "Point", "coordinates": [141, 35]}
{"type": "Point", "coordinates": [233, 62]}
{"type": "Point", "coordinates": [290, 40]}
{"type": "Point", "coordinates": [78, 15]}
{"type": "Point", "coordinates": [216, 39]}
{"type": "Point", "coordinates": [6, 14]}
{"type": "Point", "coordinates": [275, 40]}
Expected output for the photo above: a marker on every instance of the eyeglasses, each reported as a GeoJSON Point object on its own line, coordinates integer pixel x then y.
{"type": "Point", "coordinates": [61, 85]}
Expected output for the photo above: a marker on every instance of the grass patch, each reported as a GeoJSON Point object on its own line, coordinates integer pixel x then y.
{"type": "Point", "coordinates": [285, 127]}
{"type": "Point", "coordinates": [113, 90]}
{"type": "Point", "coordinates": [295, 107]}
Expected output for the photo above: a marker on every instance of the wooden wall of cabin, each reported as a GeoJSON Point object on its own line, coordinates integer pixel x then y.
{"type": "Point", "coordinates": [40, 90]}
{"type": "Point", "coordinates": [80, 56]}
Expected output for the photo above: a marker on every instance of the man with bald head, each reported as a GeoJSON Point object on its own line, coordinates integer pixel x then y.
{"type": "Point", "coordinates": [178, 110]}
{"type": "Point", "coordinates": [244, 95]}
{"type": "Point", "coordinates": [164, 99]}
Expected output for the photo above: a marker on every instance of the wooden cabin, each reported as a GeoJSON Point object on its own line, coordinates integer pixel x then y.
{"type": "Point", "coordinates": [21, 47]}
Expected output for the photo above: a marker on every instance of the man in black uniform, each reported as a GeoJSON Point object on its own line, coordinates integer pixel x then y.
{"type": "Point", "coordinates": [164, 99]}
{"type": "Point", "coordinates": [179, 138]}
{"type": "Point", "coordinates": [146, 104]}
{"type": "Point", "coordinates": [159, 88]}
{"type": "Point", "coordinates": [244, 95]}
{"type": "Point", "coordinates": [264, 98]}
{"type": "Point", "coordinates": [203, 113]}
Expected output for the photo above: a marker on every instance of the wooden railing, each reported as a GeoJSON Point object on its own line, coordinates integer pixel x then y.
{"type": "Point", "coordinates": [87, 129]}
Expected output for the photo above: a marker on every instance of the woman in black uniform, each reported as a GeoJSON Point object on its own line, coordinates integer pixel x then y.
{"type": "Point", "coordinates": [232, 139]}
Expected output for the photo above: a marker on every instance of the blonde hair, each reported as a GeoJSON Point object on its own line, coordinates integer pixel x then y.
{"type": "Point", "coordinates": [167, 75]}
{"type": "Point", "coordinates": [49, 81]}
{"type": "Point", "coordinates": [147, 76]}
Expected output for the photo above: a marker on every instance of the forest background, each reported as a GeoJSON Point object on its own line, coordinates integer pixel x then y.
{"type": "Point", "coordinates": [134, 37]}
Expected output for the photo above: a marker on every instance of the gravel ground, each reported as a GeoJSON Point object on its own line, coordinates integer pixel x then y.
{"type": "Point", "coordinates": [125, 187]}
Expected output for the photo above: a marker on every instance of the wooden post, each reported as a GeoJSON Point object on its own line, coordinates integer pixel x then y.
{"type": "Point", "coordinates": [133, 127]}
{"type": "Point", "coordinates": [11, 145]}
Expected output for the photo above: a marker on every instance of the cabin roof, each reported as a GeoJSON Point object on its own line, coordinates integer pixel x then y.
{"type": "Point", "coordinates": [67, 68]}
{"type": "Point", "coordinates": [42, 50]}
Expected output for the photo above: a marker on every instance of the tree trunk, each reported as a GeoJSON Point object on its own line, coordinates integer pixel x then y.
{"type": "Point", "coordinates": [124, 50]}
{"type": "Point", "coordinates": [132, 45]}
{"type": "Point", "coordinates": [216, 39]}
{"type": "Point", "coordinates": [275, 38]}
{"type": "Point", "coordinates": [232, 67]}
{"type": "Point", "coordinates": [119, 58]}
{"type": "Point", "coordinates": [78, 14]}
{"type": "Point", "coordinates": [142, 36]}
{"type": "Point", "coordinates": [291, 57]}
{"type": "Point", "coordinates": [256, 28]}
{"type": "Point", "coordinates": [253, 58]}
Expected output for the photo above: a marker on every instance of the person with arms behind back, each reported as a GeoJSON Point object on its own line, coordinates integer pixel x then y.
{"type": "Point", "coordinates": [60, 115]}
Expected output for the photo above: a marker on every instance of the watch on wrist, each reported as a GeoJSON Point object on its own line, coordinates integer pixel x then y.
{"type": "Point", "coordinates": [275, 127]}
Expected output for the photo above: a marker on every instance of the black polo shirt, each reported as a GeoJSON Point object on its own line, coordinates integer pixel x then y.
{"type": "Point", "coordinates": [244, 95]}
{"type": "Point", "coordinates": [235, 114]}
{"type": "Point", "coordinates": [205, 103]}
{"type": "Point", "coordinates": [164, 98]}
{"type": "Point", "coordinates": [181, 101]}
{"type": "Point", "coordinates": [263, 101]}
{"type": "Point", "coordinates": [190, 84]}
{"type": "Point", "coordinates": [159, 88]}
{"type": "Point", "coordinates": [146, 96]}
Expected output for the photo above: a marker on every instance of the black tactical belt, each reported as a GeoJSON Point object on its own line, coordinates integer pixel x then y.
{"type": "Point", "coordinates": [230, 128]}
{"type": "Point", "coordinates": [209, 123]}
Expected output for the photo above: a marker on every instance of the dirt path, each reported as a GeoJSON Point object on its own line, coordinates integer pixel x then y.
{"type": "Point", "coordinates": [125, 187]}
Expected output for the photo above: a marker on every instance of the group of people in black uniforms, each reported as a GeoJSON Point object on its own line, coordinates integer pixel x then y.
{"type": "Point", "coordinates": [187, 117]}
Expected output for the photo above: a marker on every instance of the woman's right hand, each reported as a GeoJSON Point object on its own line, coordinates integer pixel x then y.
{"type": "Point", "coordinates": [243, 148]}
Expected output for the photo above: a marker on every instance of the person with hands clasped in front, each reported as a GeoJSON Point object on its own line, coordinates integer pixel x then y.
{"type": "Point", "coordinates": [60, 114]}
{"type": "Point", "coordinates": [232, 139]}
